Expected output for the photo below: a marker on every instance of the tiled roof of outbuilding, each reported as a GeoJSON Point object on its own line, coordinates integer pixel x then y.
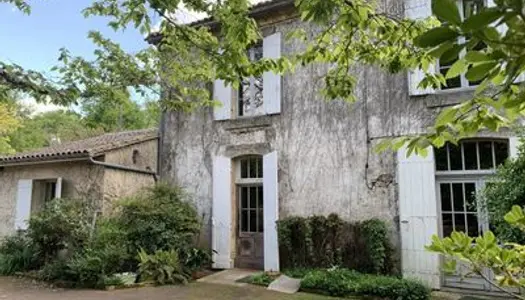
{"type": "Point", "coordinates": [83, 148]}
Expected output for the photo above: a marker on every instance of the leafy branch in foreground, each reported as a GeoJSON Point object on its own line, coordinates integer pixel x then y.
{"type": "Point", "coordinates": [507, 261]}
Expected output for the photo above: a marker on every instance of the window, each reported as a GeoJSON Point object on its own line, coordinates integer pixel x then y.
{"type": "Point", "coordinates": [135, 156]}
{"type": "Point", "coordinates": [461, 171]}
{"type": "Point", "coordinates": [250, 94]}
{"type": "Point", "coordinates": [466, 8]}
{"type": "Point", "coordinates": [49, 191]}
{"type": "Point", "coordinates": [471, 155]}
{"type": "Point", "coordinates": [249, 182]}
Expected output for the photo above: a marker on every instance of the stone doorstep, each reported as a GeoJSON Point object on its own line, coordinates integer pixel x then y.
{"type": "Point", "coordinates": [228, 277]}
{"type": "Point", "coordinates": [285, 284]}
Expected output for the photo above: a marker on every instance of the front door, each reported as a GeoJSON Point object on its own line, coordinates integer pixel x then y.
{"type": "Point", "coordinates": [250, 222]}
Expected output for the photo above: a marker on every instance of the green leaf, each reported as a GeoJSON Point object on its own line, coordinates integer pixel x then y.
{"type": "Point", "coordinates": [435, 37]}
{"type": "Point", "coordinates": [446, 10]}
{"type": "Point", "coordinates": [452, 54]}
{"type": "Point", "coordinates": [458, 68]}
{"type": "Point", "coordinates": [446, 116]}
{"type": "Point", "coordinates": [476, 56]}
{"type": "Point", "coordinates": [480, 71]}
{"type": "Point", "coordinates": [481, 20]}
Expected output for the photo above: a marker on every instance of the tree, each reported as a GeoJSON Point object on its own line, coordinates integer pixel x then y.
{"type": "Point", "coordinates": [350, 32]}
{"type": "Point", "coordinates": [119, 114]}
{"type": "Point", "coordinates": [44, 129]}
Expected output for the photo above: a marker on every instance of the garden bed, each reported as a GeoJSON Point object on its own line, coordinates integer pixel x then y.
{"type": "Point", "coordinates": [349, 283]}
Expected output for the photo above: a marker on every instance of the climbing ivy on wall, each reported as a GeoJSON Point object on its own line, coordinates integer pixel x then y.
{"type": "Point", "coordinates": [320, 241]}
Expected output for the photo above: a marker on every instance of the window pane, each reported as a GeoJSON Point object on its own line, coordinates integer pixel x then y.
{"type": "Point", "coordinates": [244, 168]}
{"type": "Point", "coordinates": [441, 158]}
{"type": "Point", "coordinates": [244, 221]}
{"type": "Point", "coordinates": [244, 197]}
{"type": "Point", "coordinates": [501, 149]}
{"type": "Point", "coordinates": [485, 155]}
{"type": "Point", "coordinates": [455, 157]}
{"type": "Point", "coordinates": [470, 195]}
{"type": "Point", "coordinates": [253, 167]}
{"type": "Point", "coordinates": [260, 169]}
{"type": "Point", "coordinates": [253, 197]}
{"type": "Point", "coordinates": [457, 193]}
{"type": "Point", "coordinates": [459, 222]}
{"type": "Point", "coordinates": [446, 201]}
{"type": "Point", "coordinates": [472, 225]}
{"type": "Point", "coordinates": [260, 196]}
{"type": "Point", "coordinates": [471, 155]}
{"type": "Point", "coordinates": [471, 7]}
{"type": "Point", "coordinates": [452, 83]}
{"type": "Point", "coordinates": [260, 221]}
{"type": "Point", "coordinates": [253, 220]}
{"type": "Point", "coordinates": [446, 220]}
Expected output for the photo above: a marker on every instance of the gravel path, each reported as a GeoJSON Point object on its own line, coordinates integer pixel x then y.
{"type": "Point", "coordinates": [21, 289]}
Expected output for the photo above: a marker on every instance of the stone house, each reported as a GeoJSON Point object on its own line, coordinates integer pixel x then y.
{"type": "Point", "coordinates": [99, 169]}
{"type": "Point", "coordinates": [275, 149]}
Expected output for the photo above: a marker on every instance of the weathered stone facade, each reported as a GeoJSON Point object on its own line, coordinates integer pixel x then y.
{"type": "Point", "coordinates": [327, 161]}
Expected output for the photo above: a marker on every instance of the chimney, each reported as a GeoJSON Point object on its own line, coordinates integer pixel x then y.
{"type": "Point", "coordinates": [54, 140]}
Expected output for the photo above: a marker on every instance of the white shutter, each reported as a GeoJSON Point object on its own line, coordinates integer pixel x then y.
{"type": "Point", "coordinates": [23, 203]}
{"type": "Point", "coordinates": [222, 93]}
{"type": "Point", "coordinates": [58, 188]}
{"type": "Point", "coordinates": [514, 143]}
{"type": "Point", "coordinates": [272, 81]}
{"type": "Point", "coordinates": [271, 212]}
{"type": "Point", "coordinates": [221, 213]}
{"type": "Point", "coordinates": [418, 9]}
{"type": "Point", "coordinates": [418, 216]}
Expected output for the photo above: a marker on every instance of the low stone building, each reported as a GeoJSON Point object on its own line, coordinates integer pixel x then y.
{"type": "Point", "coordinates": [99, 169]}
{"type": "Point", "coordinates": [276, 148]}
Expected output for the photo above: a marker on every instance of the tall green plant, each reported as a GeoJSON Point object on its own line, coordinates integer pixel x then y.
{"type": "Point", "coordinates": [501, 193]}
{"type": "Point", "coordinates": [62, 224]}
{"type": "Point", "coordinates": [375, 233]}
{"type": "Point", "coordinates": [160, 218]}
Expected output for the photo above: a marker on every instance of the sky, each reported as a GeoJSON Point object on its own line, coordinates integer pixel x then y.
{"type": "Point", "coordinates": [33, 41]}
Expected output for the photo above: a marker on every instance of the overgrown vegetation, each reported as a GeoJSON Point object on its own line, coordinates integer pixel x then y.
{"type": "Point", "coordinates": [344, 282]}
{"type": "Point", "coordinates": [506, 189]}
{"type": "Point", "coordinates": [323, 242]}
{"type": "Point", "coordinates": [151, 234]}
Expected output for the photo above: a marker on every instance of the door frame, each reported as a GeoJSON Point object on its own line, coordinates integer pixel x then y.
{"type": "Point", "coordinates": [483, 224]}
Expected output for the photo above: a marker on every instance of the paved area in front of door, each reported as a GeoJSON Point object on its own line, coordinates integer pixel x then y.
{"type": "Point", "coordinates": [21, 289]}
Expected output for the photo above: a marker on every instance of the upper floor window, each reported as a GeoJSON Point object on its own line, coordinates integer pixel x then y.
{"type": "Point", "coordinates": [250, 94]}
{"type": "Point", "coordinates": [471, 155]}
{"type": "Point", "coordinates": [466, 8]}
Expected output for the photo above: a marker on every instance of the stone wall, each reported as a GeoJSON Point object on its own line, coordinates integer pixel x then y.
{"type": "Point", "coordinates": [80, 180]}
{"type": "Point", "coordinates": [141, 155]}
{"type": "Point", "coordinates": [327, 162]}
{"type": "Point", "coordinates": [120, 183]}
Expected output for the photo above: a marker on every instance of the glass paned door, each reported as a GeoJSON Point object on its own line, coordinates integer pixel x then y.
{"type": "Point", "coordinates": [459, 211]}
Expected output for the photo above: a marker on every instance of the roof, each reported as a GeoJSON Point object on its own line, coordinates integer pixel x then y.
{"type": "Point", "coordinates": [90, 147]}
{"type": "Point", "coordinates": [256, 10]}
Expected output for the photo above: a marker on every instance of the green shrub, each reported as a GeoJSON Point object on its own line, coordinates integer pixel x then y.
{"type": "Point", "coordinates": [18, 254]}
{"type": "Point", "coordinates": [323, 242]}
{"type": "Point", "coordinates": [195, 259]}
{"type": "Point", "coordinates": [161, 218]}
{"type": "Point", "coordinates": [262, 279]}
{"type": "Point", "coordinates": [344, 282]}
{"type": "Point", "coordinates": [62, 224]}
{"type": "Point", "coordinates": [163, 267]}
{"type": "Point", "coordinates": [506, 189]}
{"type": "Point", "coordinates": [375, 234]}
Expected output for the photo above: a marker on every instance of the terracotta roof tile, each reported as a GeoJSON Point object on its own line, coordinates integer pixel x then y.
{"type": "Point", "coordinates": [83, 148]}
